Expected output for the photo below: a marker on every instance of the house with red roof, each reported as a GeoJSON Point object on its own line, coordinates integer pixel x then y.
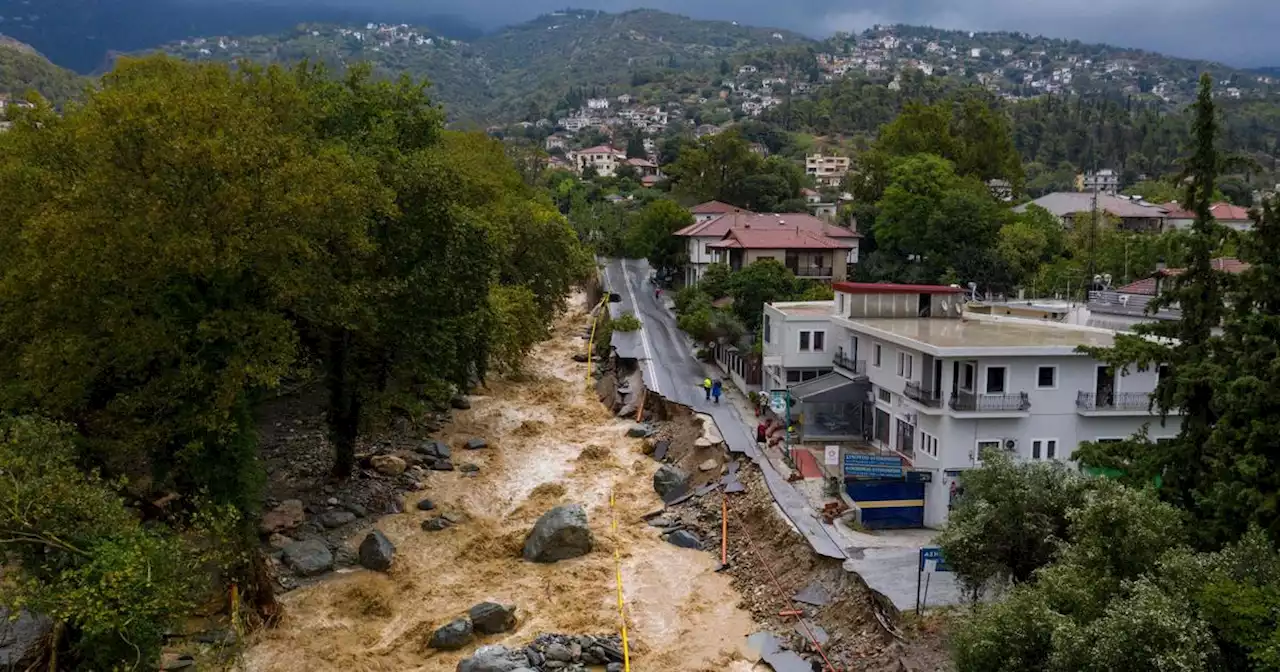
{"type": "Point", "coordinates": [807, 252]}
{"type": "Point", "coordinates": [1228, 215]}
{"type": "Point", "coordinates": [714, 221]}
{"type": "Point", "coordinates": [603, 158]}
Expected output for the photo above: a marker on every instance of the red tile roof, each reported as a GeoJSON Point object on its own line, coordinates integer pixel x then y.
{"type": "Point", "coordinates": [719, 226]}
{"type": "Point", "coordinates": [714, 208]}
{"type": "Point", "coordinates": [1221, 212]}
{"type": "Point", "coordinates": [599, 149]}
{"type": "Point", "coordinates": [1147, 286]}
{"type": "Point", "coordinates": [641, 163]}
{"type": "Point", "coordinates": [779, 239]}
{"type": "Point", "coordinates": [1228, 212]}
{"type": "Point", "coordinates": [892, 288]}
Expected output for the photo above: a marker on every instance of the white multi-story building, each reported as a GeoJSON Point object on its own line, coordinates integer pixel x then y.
{"type": "Point", "coordinates": [603, 158]}
{"type": "Point", "coordinates": [828, 171]}
{"type": "Point", "coordinates": [794, 342]}
{"type": "Point", "coordinates": [946, 385]}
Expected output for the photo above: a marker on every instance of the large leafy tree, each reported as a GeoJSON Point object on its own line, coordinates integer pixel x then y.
{"type": "Point", "coordinates": [155, 243]}
{"type": "Point", "coordinates": [652, 232]}
{"type": "Point", "coordinates": [722, 167]}
{"type": "Point", "coordinates": [943, 223]}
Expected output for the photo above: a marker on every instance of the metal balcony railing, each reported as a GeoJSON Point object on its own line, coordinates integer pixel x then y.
{"type": "Point", "coordinates": [990, 403]}
{"type": "Point", "coordinates": [855, 366]}
{"type": "Point", "coordinates": [812, 271]}
{"type": "Point", "coordinates": [1115, 401]}
{"type": "Point", "coordinates": [916, 392]}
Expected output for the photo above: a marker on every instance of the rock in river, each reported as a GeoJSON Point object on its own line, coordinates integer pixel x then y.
{"type": "Point", "coordinates": [491, 618]}
{"type": "Point", "coordinates": [495, 659]}
{"type": "Point", "coordinates": [333, 519]}
{"type": "Point", "coordinates": [639, 431]}
{"type": "Point", "coordinates": [452, 636]}
{"type": "Point", "coordinates": [476, 444]}
{"type": "Point", "coordinates": [685, 539]}
{"type": "Point", "coordinates": [388, 465]}
{"type": "Point", "coordinates": [426, 505]}
{"type": "Point", "coordinates": [668, 479]}
{"type": "Point", "coordinates": [460, 402]}
{"type": "Point", "coordinates": [283, 518]}
{"type": "Point", "coordinates": [309, 557]}
{"type": "Point", "coordinates": [560, 534]}
{"type": "Point", "coordinates": [377, 551]}
{"type": "Point", "coordinates": [22, 640]}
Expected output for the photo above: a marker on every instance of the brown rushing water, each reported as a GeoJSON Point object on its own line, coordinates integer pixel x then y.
{"type": "Point", "coordinates": [550, 442]}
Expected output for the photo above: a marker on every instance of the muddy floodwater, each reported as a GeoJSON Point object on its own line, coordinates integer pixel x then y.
{"type": "Point", "coordinates": [550, 442]}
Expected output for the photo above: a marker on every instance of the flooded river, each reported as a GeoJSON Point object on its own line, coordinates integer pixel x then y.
{"type": "Point", "coordinates": [550, 442]}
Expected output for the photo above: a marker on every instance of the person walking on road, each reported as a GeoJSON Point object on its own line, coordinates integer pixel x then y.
{"type": "Point", "coordinates": [716, 387]}
{"type": "Point", "coordinates": [706, 387]}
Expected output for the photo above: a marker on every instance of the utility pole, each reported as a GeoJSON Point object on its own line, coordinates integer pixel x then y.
{"type": "Point", "coordinates": [1093, 229]}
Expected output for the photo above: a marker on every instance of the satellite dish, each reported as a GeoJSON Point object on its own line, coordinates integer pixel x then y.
{"type": "Point", "coordinates": [946, 305]}
{"type": "Point", "coordinates": [959, 308]}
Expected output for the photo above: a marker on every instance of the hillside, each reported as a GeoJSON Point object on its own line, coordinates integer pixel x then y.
{"type": "Point", "coordinates": [500, 75]}
{"type": "Point", "coordinates": [22, 69]}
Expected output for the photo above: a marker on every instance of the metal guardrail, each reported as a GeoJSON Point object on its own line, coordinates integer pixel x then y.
{"type": "Point", "coordinates": [916, 392]}
{"type": "Point", "coordinates": [1121, 401]}
{"type": "Point", "coordinates": [812, 271]}
{"type": "Point", "coordinates": [856, 366]}
{"type": "Point", "coordinates": [990, 403]}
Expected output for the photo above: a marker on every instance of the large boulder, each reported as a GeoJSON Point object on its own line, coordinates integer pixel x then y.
{"type": "Point", "coordinates": [495, 658]}
{"type": "Point", "coordinates": [560, 534]}
{"type": "Point", "coordinates": [685, 539]}
{"type": "Point", "coordinates": [22, 640]}
{"type": "Point", "coordinates": [377, 551]}
{"type": "Point", "coordinates": [491, 618]}
{"type": "Point", "coordinates": [476, 444]}
{"type": "Point", "coordinates": [668, 480]}
{"type": "Point", "coordinates": [309, 557]}
{"type": "Point", "coordinates": [334, 519]}
{"type": "Point", "coordinates": [288, 515]}
{"type": "Point", "coordinates": [452, 636]}
{"type": "Point", "coordinates": [388, 465]}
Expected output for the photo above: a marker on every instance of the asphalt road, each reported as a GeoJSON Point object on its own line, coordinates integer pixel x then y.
{"type": "Point", "coordinates": [671, 368]}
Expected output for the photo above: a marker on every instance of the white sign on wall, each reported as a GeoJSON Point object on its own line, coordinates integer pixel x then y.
{"type": "Point", "coordinates": [832, 457]}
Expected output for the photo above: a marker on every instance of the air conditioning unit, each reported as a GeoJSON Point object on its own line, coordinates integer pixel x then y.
{"type": "Point", "coordinates": [1010, 445]}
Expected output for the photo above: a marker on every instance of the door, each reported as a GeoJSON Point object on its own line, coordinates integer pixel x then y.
{"type": "Point", "coordinates": [923, 304]}
{"type": "Point", "coordinates": [1105, 388]}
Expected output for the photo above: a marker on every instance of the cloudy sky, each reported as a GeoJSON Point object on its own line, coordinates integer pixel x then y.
{"type": "Point", "coordinates": [1238, 32]}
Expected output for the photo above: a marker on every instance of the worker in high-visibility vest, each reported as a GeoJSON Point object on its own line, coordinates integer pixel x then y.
{"type": "Point", "coordinates": [706, 387]}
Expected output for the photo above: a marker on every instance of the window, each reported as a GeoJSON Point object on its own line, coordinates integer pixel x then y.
{"type": "Point", "coordinates": [966, 382]}
{"type": "Point", "coordinates": [995, 379]}
{"type": "Point", "coordinates": [1044, 449]}
{"type": "Point", "coordinates": [882, 427]}
{"type": "Point", "coordinates": [1109, 440]}
{"type": "Point", "coordinates": [885, 395]}
{"type": "Point", "coordinates": [876, 356]}
{"type": "Point", "coordinates": [929, 443]}
{"type": "Point", "coordinates": [793, 375]}
{"type": "Point", "coordinates": [819, 341]}
{"type": "Point", "coordinates": [839, 303]}
{"type": "Point", "coordinates": [706, 249]}
{"type": "Point", "coordinates": [904, 364]}
{"type": "Point", "coordinates": [804, 341]}
{"type": "Point", "coordinates": [768, 326]}
{"type": "Point", "coordinates": [1047, 377]}
{"type": "Point", "coordinates": [985, 445]}
{"type": "Point", "coordinates": [1166, 439]}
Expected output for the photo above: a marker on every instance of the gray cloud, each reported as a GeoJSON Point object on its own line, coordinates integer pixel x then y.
{"type": "Point", "coordinates": [1238, 32]}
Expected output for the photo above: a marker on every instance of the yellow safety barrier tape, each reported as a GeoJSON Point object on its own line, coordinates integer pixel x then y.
{"type": "Point", "coordinates": [617, 563]}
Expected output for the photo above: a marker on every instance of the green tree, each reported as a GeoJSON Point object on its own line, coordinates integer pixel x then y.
{"type": "Point", "coordinates": [758, 283]}
{"type": "Point", "coordinates": [635, 146]}
{"type": "Point", "coordinates": [940, 221]}
{"type": "Point", "coordinates": [716, 280]}
{"type": "Point", "coordinates": [1010, 520]}
{"type": "Point", "coordinates": [652, 231]}
{"type": "Point", "coordinates": [1029, 240]}
{"type": "Point", "coordinates": [77, 554]}
{"type": "Point", "coordinates": [1185, 346]}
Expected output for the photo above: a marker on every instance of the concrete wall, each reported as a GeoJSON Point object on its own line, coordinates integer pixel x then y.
{"type": "Point", "coordinates": [883, 304]}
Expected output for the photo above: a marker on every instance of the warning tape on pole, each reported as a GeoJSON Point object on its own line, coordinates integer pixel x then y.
{"type": "Point", "coordinates": [591, 342]}
{"type": "Point", "coordinates": [617, 565]}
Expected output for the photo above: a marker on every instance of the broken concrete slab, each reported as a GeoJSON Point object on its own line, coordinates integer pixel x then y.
{"type": "Point", "coordinates": [706, 489]}
{"type": "Point", "coordinates": [814, 594]}
{"type": "Point", "coordinates": [660, 450]}
{"type": "Point", "coordinates": [787, 661]}
{"type": "Point", "coordinates": [812, 629]}
{"type": "Point", "coordinates": [734, 486]}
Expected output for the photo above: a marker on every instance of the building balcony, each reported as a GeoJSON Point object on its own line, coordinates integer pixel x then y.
{"type": "Point", "coordinates": [812, 271]}
{"type": "Point", "coordinates": [1115, 403]}
{"type": "Point", "coordinates": [970, 402]}
{"type": "Point", "coordinates": [850, 365]}
{"type": "Point", "coordinates": [916, 392]}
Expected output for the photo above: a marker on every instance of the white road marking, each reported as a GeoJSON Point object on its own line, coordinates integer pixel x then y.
{"type": "Point", "coordinates": [644, 338]}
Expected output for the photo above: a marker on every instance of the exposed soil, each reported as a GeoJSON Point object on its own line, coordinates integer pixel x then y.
{"type": "Point", "coordinates": [550, 442]}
